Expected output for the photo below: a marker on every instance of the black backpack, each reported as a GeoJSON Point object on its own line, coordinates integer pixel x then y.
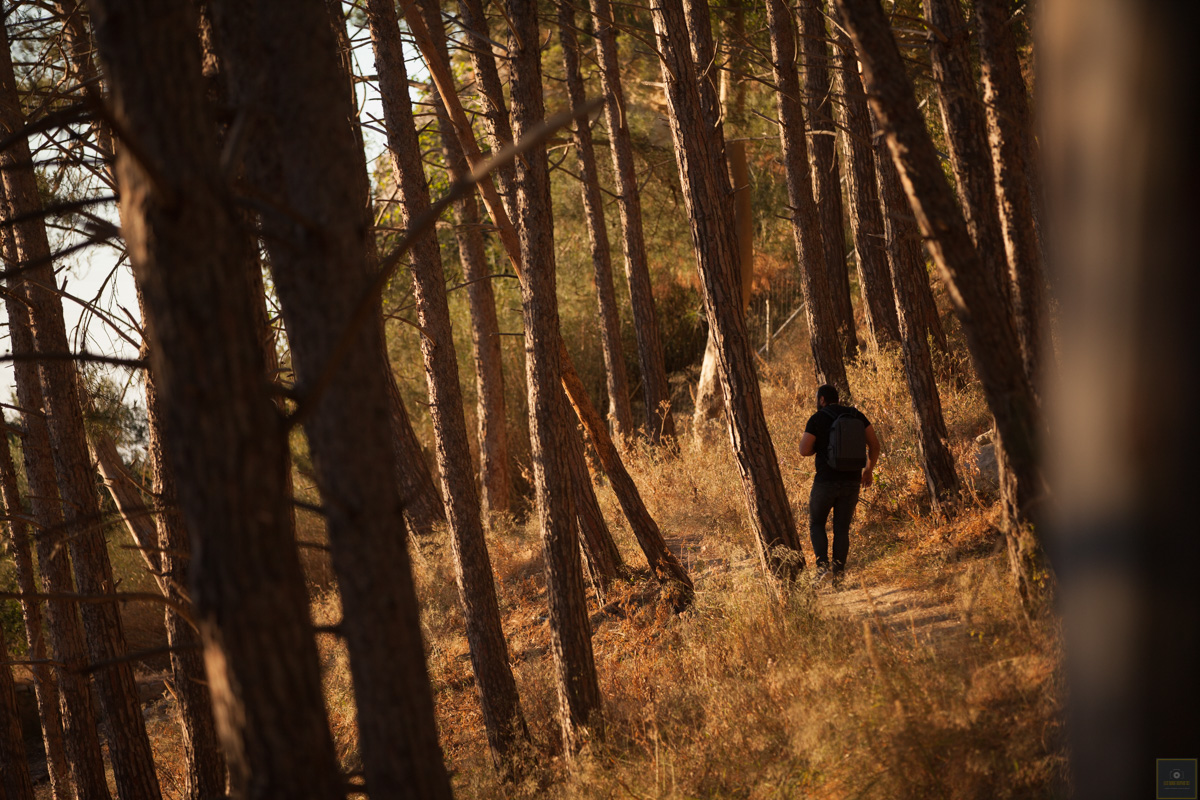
{"type": "Point", "coordinates": [847, 442]}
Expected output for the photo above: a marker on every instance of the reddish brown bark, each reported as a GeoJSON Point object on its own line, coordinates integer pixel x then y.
{"type": "Point", "coordinates": [15, 783]}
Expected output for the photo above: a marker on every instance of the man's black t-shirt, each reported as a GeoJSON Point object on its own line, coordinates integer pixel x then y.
{"type": "Point", "coordinates": [819, 425]}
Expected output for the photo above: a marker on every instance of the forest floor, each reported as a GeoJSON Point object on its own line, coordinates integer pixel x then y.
{"type": "Point", "coordinates": [920, 677]}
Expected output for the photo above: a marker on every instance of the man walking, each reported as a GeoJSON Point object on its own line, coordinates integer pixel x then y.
{"type": "Point", "coordinates": [842, 469]}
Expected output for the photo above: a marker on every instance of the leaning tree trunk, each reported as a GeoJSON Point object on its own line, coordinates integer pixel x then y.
{"type": "Point", "coordinates": [305, 154]}
{"type": "Point", "coordinates": [549, 426]}
{"type": "Point", "coordinates": [45, 686]}
{"type": "Point", "coordinates": [129, 746]}
{"type": "Point", "coordinates": [502, 717]}
{"type": "Point", "coordinates": [667, 569]}
{"type": "Point", "coordinates": [827, 185]}
{"type": "Point", "coordinates": [593, 208]}
{"type": "Point", "coordinates": [698, 152]}
{"type": "Point", "coordinates": [866, 218]}
{"type": "Point", "coordinates": [1009, 130]}
{"type": "Point", "coordinates": [806, 223]}
{"type": "Point", "coordinates": [1120, 115]}
{"type": "Point", "coordinates": [15, 783]}
{"type": "Point", "coordinates": [655, 388]}
{"type": "Point", "coordinates": [224, 436]}
{"type": "Point", "coordinates": [977, 292]}
{"type": "Point", "coordinates": [489, 88]}
{"type": "Point", "coordinates": [494, 471]}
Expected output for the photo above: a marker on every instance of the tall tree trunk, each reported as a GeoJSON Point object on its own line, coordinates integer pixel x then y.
{"type": "Point", "coordinates": [806, 223]}
{"type": "Point", "coordinates": [977, 291]}
{"type": "Point", "coordinates": [418, 495]}
{"type": "Point", "coordinates": [866, 219]}
{"type": "Point", "coordinates": [502, 717]}
{"type": "Point", "coordinates": [655, 388]}
{"type": "Point", "coordinates": [494, 470]}
{"type": "Point", "coordinates": [905, 246]}
{"type": "Point", "coordinates": [45, 686]}
{"type": "Point", "coordinates": [305, 117]}
{"type": "Point", "coordinates": [662, 561]}
{"type": "Point", "coordinates": [1009, 130]}
{"type": "Point", "coordinates": [619, 413]}
{"type": "Point", "coordinates": [126, 495]}
{"type": "Point", "coordinates": [705, 184]}
{"type": "Point", "coordinates": [823, 158]}
{"type": "Point", "coordinates": [1119, 115]}
{"type": "Point", "coordinates": [133, 762]}
{"type": "Point", "coordinates": [81, 738]}
{"type": "Point", "coordinates": [549, 426]}
{"type": "Point", "coordinates": [15, 783]}
{"type": "Point", "coordinates": [603, 558]}
{"type": "Point", "coordinates": [222, 431]}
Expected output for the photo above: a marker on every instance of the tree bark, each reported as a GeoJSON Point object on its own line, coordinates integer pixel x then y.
{"type": "Point", "coordinates": [45, 686]}
{"type": "Point", "coordinates": [549, 427]}
{"type": "Point", "coordinates": [225, 439]}
{"type": "Point", "coordinates": [619, 414]}
{"type": "Point", "coordinates": [15, 783]}
{"type": "Point", "coordinates": [823, 159]}
{"type": "Point", "coordinates": [126, 495]}
{"type": "Point", "coordinates": [603, 558]}
{"type": "Point", "coordinates": [975, 290]}
{"type": "Point", "coordinates": [1119, 116]}
{"type": "Point", "coordinates": [1009, 130]}
{"type": "Point", "coordinates": [806, 224]}
{"type": "Point", "coordinates": [305, 117]}
{"type": "Point", "coordinates": [706, 189]}
{"type": "Point", "coordinates": [866, 219]}
{"type": "Point", "coordinates": [129, 747]}
{"type": "Point", "coordinates": [494, 470]}
{"type": "Point", "coordinates": [656, 390]}
{"type": "Point", "coordinates": [502, 717]}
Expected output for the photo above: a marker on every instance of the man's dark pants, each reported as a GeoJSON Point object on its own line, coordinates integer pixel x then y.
{"type": "Point", "coordinates": [840, 497]}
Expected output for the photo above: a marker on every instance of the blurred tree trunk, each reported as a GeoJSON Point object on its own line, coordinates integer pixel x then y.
{"type": "Point", "coordinates": [977, 291]}
{"type": "Point", "coordinates": [14, 761]}
{"type": "Point", "coordinates": [580, 706]}
{"type": "Point", "coordinates": [806, 222]}
{"type": "Point", "coordinates": [1119, 115]}
{"type": "Point", "coordinates": [656, 389]}
{"type": "Point", "coordinates": [905, 245]}
{"type": "Point", "coordinates": [663, 562]}
{"type": "Point", "coordinates": [45, 686]}
{"type": "Point", "coordinates": [823, 158]}
{"type": "Point", "coordinates": [322, 270]}
{"type": "Point", "coordinates": [133, 762]}
{"type": "Point", "coordinates": [502, 717]}
{"type": "Point", "coordinates": [699, 153]}
{"type": "Point", "coordinates": [619, 413]}
{"type": "Point", "coordinates": [1006, 102]}
{"type": "Point", "coordinates": [494, 469]}
{"type": "Point", "coordinates": [223, 433]}
{"type": "Point", "coordinates": [418, 494]}
{"type": "Point", "coordinates": [866, 219]}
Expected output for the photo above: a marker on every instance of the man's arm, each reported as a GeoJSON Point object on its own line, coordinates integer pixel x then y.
{"type": "Point", "coordinates": [873, 448]}
{"type": "Point", "coordinates": [808, 444]}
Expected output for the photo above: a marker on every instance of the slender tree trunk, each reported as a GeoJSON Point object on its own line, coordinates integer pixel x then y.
{"type": "Point", "coordinates": [619, 414]}
{"type": "Point", "coordinates": [706, 188]}
{"type": "Point", "coordinates": [603, 557]}
{"type": "Point", "coordinates": [502, 717]}
{"type": "Point", "coordinates": [65, 632]}
{"type": "Point", "coordinates": [823, 158]}
{"type": "Point", "coordinates": [662, 561]}
{"type": "Point", "coordinates": [126, 495]}
{"type": "Point", "coordinates": [14, 761]}
{"type": "Point", "coordinates": [44, 684]}
{"type": "Point", "coordinates": [133, 763]}
{"type": "Point", "coordinates": [549, 426]}
{"type": "Point", "coordinates": [489, 88]}
{"type": "Point", "coordinates": [1119, 115]}
{"type": "Point", "coordinates": [905, 246]}
{"type": "Point", "coordinates": [223, 433]}
{"type": "Point", "coordinates": [977, 291]}
{"type": "Point", "coordinates": [866, 218]}
{"type": "Point", "coordinates": [305, 117]}
{"type": "Point", "coordinates": [655, 388]}
{"type": "Point", "coordinates": [494, 470]}
{"type": "Point", "coordinates": [806, 223]}
{"type": "Point", "coordinates": [418, 494]}
{"type": "Point", "coordinates": [1008, 123]}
